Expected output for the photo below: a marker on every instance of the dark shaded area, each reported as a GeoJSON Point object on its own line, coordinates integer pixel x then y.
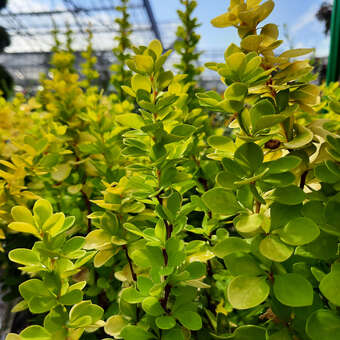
{"type": "Point", "coordinates": [324, 15]}
{"type": "Point", "coordinates": [6, 83]}
{"type": "Point", "coordinates": [5, 40]}
{"type": "Point", "coordinates": [6, 80]}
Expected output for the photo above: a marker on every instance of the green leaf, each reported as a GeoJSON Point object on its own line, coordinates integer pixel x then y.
{"type": "Point", "coordinates": [227, 180]}
{"type": "Point", "coordinates": [38, 304]}
{"type": "Point", "coordinates": [315, 211]}
{"type": "Point", "coordinates": [242, 264]}
{"type": "Point", "coordinates": [24, 256]}
{"type": "Point", "coordinates": [332, 214]}
{"type": "Point", "coordinates": [293, 290]}
{"type": "Point", "coordinates": [323, 324]}
{"type": "Point", "coordinates": [300, 231]}
{"type": "Point", "coordinates": [13, 336]}
{"type": "Point", "coordinates": [282, 334]}
{"type": "Point", "coordinates": [251, 42]}
{"type": "Point", "coordinates": [86, 308]}
{"type": "Point", "coordinates": [156, 46]}
{"type": "Point", "coordinates": [323, 173]}
{"type": "Point", "coordinates": [262, 108]}
{"type": "Point", "coordinates": [323, 248]}
{"type": "Point", "coordinates": [303, 137]}
{"type": "Point", "coordinates": [54, 223]}
{"type": "Point", "coordinates": [290, 195]}
{"type": "Point", "coordinates": [250, 155]}
{"type": "Point", "coordinates": [247, 291]}
{"type": "Point", "coordinates": [236, 92]}
{"type": "Point", "coordinates": [176, 333]}
{"type": "Point", "coordinates": [61, 172]}
{"type": "Point", "coordinates": [144, 285]}
{"type": "Point", "coordinates": [329, 287]}
{"type": "Point", "coordinates": [24, 228]}
{"type": "Point", "coordinates": [190, 320]}
{"type": "Point", "coordinates": [131, 332]}
{"type": "Point", "coordinates": [267, 121]}
{"type": "Point", "coordinates": [296, 52]}
{"type": "Point", "coordinates": [144, 63]}
{"type": "Point", "coordinates": [139, 82]}
{"type": "Point", "coordinates": [152, 306]}
{"type": "Point", "coordinates": [279, 180]}
{"type": "Point", "coordinates": [114, 325]}
{"type": "Point", "coordinates": [183, 130]}
{"type": "Point", "coordinates": [222, 20]}
{"type": "Point", "coordinates": [230, 245]}
{"type": "Point", "coordinates": [22, 214]}
{"type": "Point", "coordinates": [42, 211]}
{"type": "Point", "coordinates": [128, 90]}
{"type": "Point", "coordinates": [196, 270]}
{"type": "Point", "coordinates": [31, 288]}
{"type": "Point", "coordinates": [281, 214]}
{"type": "Point", "coordinates": [71, 298]}
{"type": "Point", "coordinates": [249, 224]}
{"type": "Point", "coordinates": [283, 164]}
{"type": "Point", "coordinates": [130, 120]}
{"type": "Point", "coordinates": [73, 244]}
{"type": "Point", "coordinates": [273, 249]}
{"type": "Point", "coordinates": [236, 62]}
{"type": "Point", "coordinates": [19, 307]}
{"type": "Point", "coordinates": [333, 167]}
{"type": "Point", "coordinates": [35, 333]}
{"type": "Point", "coordinates": [221, 201]}
{"type": "Point", "coordinates": [165, 322]}
{"type": "Point", "coordinates": [131, 295]}
{"type": "Point", "coordinates": [249, 332]}
{"type": "Point", "coordinates": [221, 143]}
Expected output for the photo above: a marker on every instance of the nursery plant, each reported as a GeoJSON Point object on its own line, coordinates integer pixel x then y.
{"type": "Point", "coordinates": [152, 221]}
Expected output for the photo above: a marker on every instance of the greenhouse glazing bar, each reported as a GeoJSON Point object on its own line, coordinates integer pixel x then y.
{"type": "Point", "coordinates": [333, 69]}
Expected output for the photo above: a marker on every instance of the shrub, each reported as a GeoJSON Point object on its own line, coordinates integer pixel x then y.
{"type": "Point", "coordinates": [170, 226]}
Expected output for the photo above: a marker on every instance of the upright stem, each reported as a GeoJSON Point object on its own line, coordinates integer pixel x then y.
{"type": "Point", "coordinates": [133, 274]}
{"type": "Point", "coordinates": [89, 210]}
{"type": "Point", "coordinates": [303, 179]}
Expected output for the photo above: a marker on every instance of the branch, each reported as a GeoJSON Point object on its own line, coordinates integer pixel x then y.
{"type": "Point", "coordinates": [133, 274]}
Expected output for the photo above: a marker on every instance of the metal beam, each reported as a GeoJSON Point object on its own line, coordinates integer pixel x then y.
{"type": "Point", "coordinates": [333, 68]}
{"type": "Point", "coordinates": [31, 32]}
{"type": "Point", "coordinates": [77, 10]}
{"type": "Point", "coordinates": [152, 19]}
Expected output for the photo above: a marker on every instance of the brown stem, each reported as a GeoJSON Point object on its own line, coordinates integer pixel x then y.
{"type": "Point", "coordinates": [231, 119]}
{"type": "Point", "coordinates": [204, 182]}
{"type": "Point", "coordinates": [164, 300]}
{"type": "Point", "coordinates": [169, 229]}
{"type": "Point", "coordinates": [133, 274]}
{"type": "Point", "coordinates": [165, 255]}
{"type": "Point", "coordinates": [303, 179]}
{"type": "Point", "coordinates": [257, 207]}
{"type": "Point", "coordinates": [89, 210]}
{"type": "Point", "coordinates": [209, 269]}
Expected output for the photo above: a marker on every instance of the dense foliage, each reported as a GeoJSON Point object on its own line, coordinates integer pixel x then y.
{"type": "Point", "coordinates": [145, 217]}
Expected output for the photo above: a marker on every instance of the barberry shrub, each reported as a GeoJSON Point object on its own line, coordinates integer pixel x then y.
{"type": "Point", "coordinates": [170, 226]}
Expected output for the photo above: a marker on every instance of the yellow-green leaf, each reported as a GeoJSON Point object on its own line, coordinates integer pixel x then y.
{"type": "Point", "coordinates": [61, 172]}
{"type": "Point", "coordinates": [22, 214]}
{"type": "Point", "coordinates": [24, 228]}
{"type": "Point", "coordinates": [296, 52]}
{"type": "Point", "coordinates": [131, 120]}
{"type": "Point", "coordinates": [144, 63]}
{"type": "Point", "coordinates": [156, 46]}
{"type": "Point", "coordinates": [139, 82]}
{"type": "Point", "coordinates": [251, 42]}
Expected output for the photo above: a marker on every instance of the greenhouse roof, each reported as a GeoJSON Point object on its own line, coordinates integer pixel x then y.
{"type": "Point", "coordinates": [30, 23]}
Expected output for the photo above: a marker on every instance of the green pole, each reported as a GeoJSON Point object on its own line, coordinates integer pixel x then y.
{"type": "Point", "coordinates": [333, 68]}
